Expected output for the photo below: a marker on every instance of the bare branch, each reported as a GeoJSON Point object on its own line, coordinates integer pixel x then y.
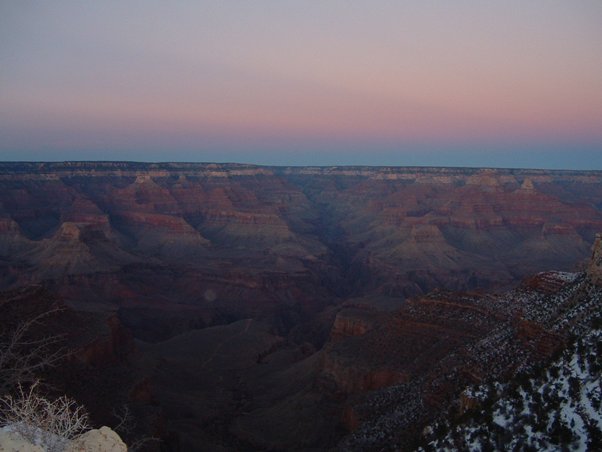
{"type": "Point", "coordinates": [23, 356]}
{"type": "Point", "coordinates": [126, 428]}
{"type": "Point", "coordinates": [51, 423]}
{"type": "Point", "coordinates": [126, 423]}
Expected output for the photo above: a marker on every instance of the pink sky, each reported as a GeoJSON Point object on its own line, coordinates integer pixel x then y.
{"type": "Point", "coordinates": [189, 78]}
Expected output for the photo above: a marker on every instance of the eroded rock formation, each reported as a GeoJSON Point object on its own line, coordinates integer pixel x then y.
{"type": "Point", "coordinates": [594, 269]}
{"type": "Point", "coordinates": [245, 307]}
{"type": "Point", "coordinates": [395, 230]}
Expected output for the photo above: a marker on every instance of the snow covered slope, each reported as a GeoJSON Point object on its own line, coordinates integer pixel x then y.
{"type": "Point", "coordinates": [551, 408]}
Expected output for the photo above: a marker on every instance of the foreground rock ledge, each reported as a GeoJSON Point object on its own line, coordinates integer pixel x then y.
{"type": "Point", "coordinates": [97, 440]}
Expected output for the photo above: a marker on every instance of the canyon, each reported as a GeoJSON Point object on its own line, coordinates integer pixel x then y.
{"type": "Point", "coordinates": [240, 307]}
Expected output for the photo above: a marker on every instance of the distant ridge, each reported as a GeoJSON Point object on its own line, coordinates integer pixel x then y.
{"type": "Point", "coordinates": [67, 166]}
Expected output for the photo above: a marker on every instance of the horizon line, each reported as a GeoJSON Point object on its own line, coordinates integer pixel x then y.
{"type": "Point", "coordinates": [260, 165]}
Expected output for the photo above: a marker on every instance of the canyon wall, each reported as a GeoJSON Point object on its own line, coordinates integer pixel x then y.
{"type": "Point", "coordinates": [271, 233]}
{"type": "Point", "coordinates": [303, 296]}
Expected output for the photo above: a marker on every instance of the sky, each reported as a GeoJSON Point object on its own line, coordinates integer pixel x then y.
{"type": "Point", "coordinates": [506, 83]}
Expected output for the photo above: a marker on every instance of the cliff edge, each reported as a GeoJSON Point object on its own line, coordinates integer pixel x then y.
{"type": "Point", "coordinates": [594, 269]}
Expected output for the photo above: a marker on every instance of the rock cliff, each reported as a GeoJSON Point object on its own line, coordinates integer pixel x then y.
{"type": "Point", "coordinates": [349, 229]}
{"type": "Point", "coordinates": [448, 341]}
{"type": "Point", "coordinates": [594, 269]}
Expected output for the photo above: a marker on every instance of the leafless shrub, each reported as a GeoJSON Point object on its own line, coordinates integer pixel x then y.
{"type": "Point", "coordinates": [139, 443]}
{"type": "Point", "coordinates": [126, 428]}
{"type": "Point", "coordinates": [23, 355]}
{"type": "Point", "coordinates": [49, 423]}
{"type": "Point", "coordinates": [126, 423]}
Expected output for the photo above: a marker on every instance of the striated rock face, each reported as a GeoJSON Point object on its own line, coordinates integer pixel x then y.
{"type": "Point", "coordinates": [543, 342]}
{"type": "Point", "coordinates": [393, 229]}
{"type": "Point", "coordinates": [467, 402]}
{"type": "Point", "coordinates": [594, 269]}
{"type": "Point", "coordinates": [408, 345]}
{"type": "Point", "coordinates": [352, 322]}
{"type": "Point", "coordinates": [447, 341]}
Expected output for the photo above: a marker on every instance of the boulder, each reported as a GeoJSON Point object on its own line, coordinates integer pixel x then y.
{"type": "Point", "coordinates": [97, 440]}
{"type": "Point", "coordinates": [14, 442]}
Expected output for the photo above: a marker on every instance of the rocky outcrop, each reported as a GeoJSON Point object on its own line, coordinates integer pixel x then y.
{"type": "Point", "coordinates": [543, 342]}
{"type": "Point", "coordinates": [11, 441]}
{"type": "Point", "coordinates": [399, 348]}
{"type": "Point", "coordinates": [594, 269]}
{"type": "Point", "coordinates": [468, 402]}
{"type": "Point", "coordinates": [447, 342]}
{"type": "Point", "coordinates": [352, 322]}
{"type": "Point", "coordinates": [97, 440]}
{"type": "Point", "coordinates": [547, 282]}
